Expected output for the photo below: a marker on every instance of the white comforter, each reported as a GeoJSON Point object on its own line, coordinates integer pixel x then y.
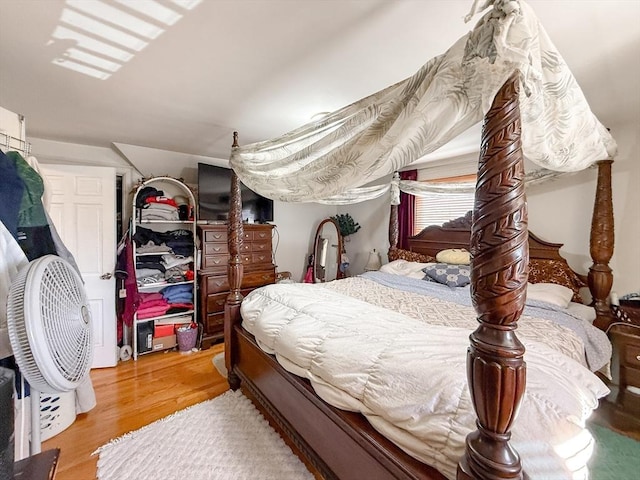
{"type": "Point", "coordinates": [409, 378]}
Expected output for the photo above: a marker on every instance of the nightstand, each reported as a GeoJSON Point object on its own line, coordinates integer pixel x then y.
{"type": "Point", "coordinates": [620, 410]}
{"type": "Point", "coordinates": [626, 343]}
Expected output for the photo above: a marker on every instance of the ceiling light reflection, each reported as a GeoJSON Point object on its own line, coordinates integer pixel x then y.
{"type": "Point", "coordinates": [153, 9]}
{"type": "Point", "coordinates": [87, 43]}
{"type": "Point", "coordinates": [113, 15]}
{"type": "Point", "coordinates": [101, 29]}
{"type": "Point", "coordinates": [187, 4]}
{"type": "Point", "coordinates": [92, 72]}
{"type": "Point", "coordinates": [119, 29]}
{"type": "Point", "coordinates": [99, 62]}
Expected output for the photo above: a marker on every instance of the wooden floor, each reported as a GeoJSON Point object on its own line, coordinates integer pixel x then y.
{"type": "Point", "coordinates": [130, 396]}
{"type": "Point", "coordinates": [134, 394]}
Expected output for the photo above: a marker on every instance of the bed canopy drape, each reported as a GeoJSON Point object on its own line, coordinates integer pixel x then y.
{"type": "Point", "coordinates": [337, 158]}
{"type": "Point", "coordinates": [507, 71]}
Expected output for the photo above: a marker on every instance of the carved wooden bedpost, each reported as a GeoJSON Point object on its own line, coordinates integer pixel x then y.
{"type": "Point", "coordinates": [496, 370]}
{"type": "Point", "coordinates": [235, 272]}
{"type": "Point", "coordinates": [600, 277]}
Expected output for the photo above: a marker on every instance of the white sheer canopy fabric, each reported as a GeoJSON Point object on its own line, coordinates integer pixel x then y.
{"type": "Point", "coordinates": [419, 189]}
{"type": "Point", "coordinates": [380, 134]}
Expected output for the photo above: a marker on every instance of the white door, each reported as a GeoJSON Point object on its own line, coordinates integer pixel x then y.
{"type": "Point", "coordinates": [82, 209]}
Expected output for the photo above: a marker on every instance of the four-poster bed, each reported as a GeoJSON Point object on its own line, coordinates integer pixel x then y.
{"type": "Point", "coordinates": [506, 71]}
{"type": "Point", "coordinates": [342, 444]}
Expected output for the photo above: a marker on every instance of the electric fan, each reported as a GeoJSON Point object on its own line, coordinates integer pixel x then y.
{"type": "Point", "coordinates": [49, 325]}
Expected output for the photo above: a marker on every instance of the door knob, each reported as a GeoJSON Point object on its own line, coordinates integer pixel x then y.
{"type": "Point", "coordinates": [106, 276]}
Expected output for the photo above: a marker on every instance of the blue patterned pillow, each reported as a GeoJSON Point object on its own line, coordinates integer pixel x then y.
{"type": "Point", "coordinates": [447, 274]}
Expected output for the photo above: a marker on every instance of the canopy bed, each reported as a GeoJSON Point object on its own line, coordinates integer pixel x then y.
{"type": "Point", "coordinates": [348, 444]}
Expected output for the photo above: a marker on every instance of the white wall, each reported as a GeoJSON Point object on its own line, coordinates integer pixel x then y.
{"type": "Point", "coordinates": [296, 227]}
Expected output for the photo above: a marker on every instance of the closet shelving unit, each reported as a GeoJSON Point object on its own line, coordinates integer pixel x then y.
{"type": "Point", "coordinates": [171, 187]}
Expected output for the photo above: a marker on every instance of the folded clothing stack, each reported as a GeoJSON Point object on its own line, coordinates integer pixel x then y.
{"type": "Point", "coordinates": [152, 305]}
{"type": "Point", "coordinates": [180, 241]}
{"type": "Point", "coordinates": [160, 208]}
{"type": "Point", "coordinates": [179, 297]}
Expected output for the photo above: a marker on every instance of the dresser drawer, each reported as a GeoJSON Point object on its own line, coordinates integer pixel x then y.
{"type": "Point", "coordinates": [215, 322]}
{"type": "Point", "coordinates": [632, 355]}
{"type": "Point", "coordinates": [256, 258]}
{"type": "Point", "coordinates": [255, 247]}
{"type": "Point", "coordinates": [262, 235]}
{"type": "Point", "coordinates": [258, 279]}
{"type": "Point", "coordinates": [216, 236]}
{"type": "Point", "coordinates": [215, 248]}
{"type": "Point", "coordinates": [217, 284]}
{"type": "Point", "coordinates": [261, 247]}
{"type": "Point", "coordinates": [216, 301]}
{"type": "Point", "coordinates": [213, 261]}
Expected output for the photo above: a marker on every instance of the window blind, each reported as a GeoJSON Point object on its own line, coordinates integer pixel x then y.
{"type": "Point", "coordinates": [437, 208]}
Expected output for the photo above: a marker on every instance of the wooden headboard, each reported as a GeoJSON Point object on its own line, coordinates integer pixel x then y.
{"type": "Point", "coordinates": [545, 262]}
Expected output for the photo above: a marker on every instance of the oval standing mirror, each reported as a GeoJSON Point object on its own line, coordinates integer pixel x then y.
{"type": "Point", "coordinates": [327, 250]}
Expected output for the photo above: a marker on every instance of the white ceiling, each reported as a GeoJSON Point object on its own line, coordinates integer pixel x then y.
{"type": "Point", "coordinates": [264, 67]}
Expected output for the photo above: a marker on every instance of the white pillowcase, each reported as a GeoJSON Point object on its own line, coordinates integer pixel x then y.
{"type": "Point", "coordinates": [580, 310]}
{"type": "Point", "coordinates": [405, 268]}
{"type": "Point", "coordinates": [551, 293]}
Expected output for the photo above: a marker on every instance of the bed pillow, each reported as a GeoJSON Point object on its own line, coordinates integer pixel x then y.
{"type": "Point", "coordinates": [448, 274]}
{"type": "Point", "coordinates": [580, 310]}
{"type": "Point", "coordinates": [454, 256]}
{"type": "Point", "coordinates": [405, 268]}
{"type": "Point", "coordinates": [543, 270]}
{"type": "Point", "coordinates": [551, 293]}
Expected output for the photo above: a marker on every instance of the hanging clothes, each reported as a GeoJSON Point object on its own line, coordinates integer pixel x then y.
{"type": "Point", "coordinates": [125, 271]}
{"type": "Point", "coordinates": [33, 232]}
{"type": "Point", "coordinates": [12, 189]}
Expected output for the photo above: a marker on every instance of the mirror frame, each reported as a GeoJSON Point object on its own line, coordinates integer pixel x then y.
{"type": "Point", "coordinates": [339, 273]}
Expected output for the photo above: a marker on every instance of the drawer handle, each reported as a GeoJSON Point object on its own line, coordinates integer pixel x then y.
{"type": "Point", "coordinates": [638, 357]}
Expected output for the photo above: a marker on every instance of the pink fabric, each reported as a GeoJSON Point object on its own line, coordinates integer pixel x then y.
{"type": "Point", "coordinates": [154, 311]}
{"type": "Point", "coordinates": [153, 303]}
{"type": "Point", "coordinates": [151, 296]}
{"type": "Point", "coordinates": [406, 212]}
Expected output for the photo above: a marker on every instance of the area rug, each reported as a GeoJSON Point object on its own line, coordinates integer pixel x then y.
{"type": "Point", "coordinates": [218, 363]}
{"type": "Point", "coordinates": [225, 438]}
{"type": "Point", "coordinates": [616, 457]}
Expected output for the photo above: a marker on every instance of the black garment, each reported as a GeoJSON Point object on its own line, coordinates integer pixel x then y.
{"type": "Point", "coordinates": [146, 235]}
{"type": "Point", "coordinates": [36, 242]}
{"type": "Point", "coordinates": [145, 193]}
{"type": "Point", "coordinates": [10, 194]}
{"type": "Point", "coordinates": [143, 263]}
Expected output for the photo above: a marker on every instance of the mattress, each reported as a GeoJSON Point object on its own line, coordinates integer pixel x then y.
{"type": "Point", "coordinates": [405, 370]}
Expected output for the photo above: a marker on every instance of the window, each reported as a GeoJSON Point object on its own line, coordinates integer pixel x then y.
{"type": "Point", "coordinates": [437, 208]}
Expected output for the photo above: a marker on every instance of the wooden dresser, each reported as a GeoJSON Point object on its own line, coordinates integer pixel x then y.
{"type": "Point", "coordinates": [257, 261]}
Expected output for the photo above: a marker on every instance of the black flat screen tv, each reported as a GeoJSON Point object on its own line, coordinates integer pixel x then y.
{"type": "Point", "coordinates": [214, 186]}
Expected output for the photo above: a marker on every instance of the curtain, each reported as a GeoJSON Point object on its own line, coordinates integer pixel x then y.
{"type": "Point", "coordinates": [385, 132]}
{"type": "Point", "coordinates": [406, 211]}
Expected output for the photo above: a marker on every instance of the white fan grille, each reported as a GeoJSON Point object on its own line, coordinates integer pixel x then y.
{"type": "Point", "coordinates": [50, 328]}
